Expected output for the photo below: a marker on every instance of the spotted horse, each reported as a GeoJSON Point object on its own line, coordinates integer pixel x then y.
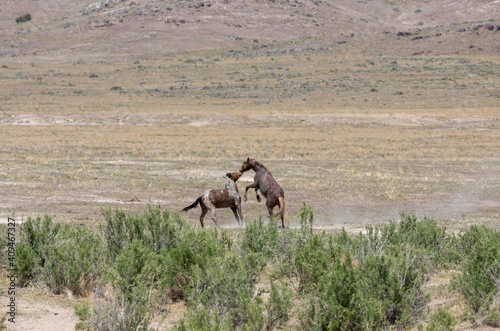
{"type": "Point", "coordinates": [229, 197]}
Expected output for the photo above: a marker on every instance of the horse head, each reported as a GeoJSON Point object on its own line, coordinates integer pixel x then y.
{"type": "Point", "coordinates": [246, 165]}
{"type": "Point", "coordinates": [234, 176]}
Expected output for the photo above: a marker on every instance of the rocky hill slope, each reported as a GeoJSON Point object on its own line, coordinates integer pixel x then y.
{"type": "Point", "coordinates": [76, 30]}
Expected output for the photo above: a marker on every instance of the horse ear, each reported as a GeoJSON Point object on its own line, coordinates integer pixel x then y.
{"type": "Point", "coordinates": [248, 159]}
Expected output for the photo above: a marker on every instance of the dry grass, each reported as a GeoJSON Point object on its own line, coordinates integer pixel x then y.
{"type": "Point", "coordinates": [360, 138]}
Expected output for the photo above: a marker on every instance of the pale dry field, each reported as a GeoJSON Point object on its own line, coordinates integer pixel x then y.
{"type": "Point", "coordinates": [360, 138]}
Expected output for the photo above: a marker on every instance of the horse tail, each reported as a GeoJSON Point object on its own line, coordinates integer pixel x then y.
{"type": "Point", "coordinates": [193, 205]}
{"type": "Point", "coordinates": [281, 212]}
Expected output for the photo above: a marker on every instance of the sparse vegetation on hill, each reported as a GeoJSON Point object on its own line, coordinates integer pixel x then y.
{"type": "Point", "coordinates": [266, 278]}
{"type": "Point", "coordinates": [24, 18]}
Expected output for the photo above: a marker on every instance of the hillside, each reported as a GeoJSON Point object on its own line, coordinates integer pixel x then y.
{"type": "Point", "coordinates": [85, 30]}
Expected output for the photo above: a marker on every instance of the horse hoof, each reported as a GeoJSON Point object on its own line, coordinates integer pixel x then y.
{"type": "Point", "coordinates": [258, 199]}
{"type": "Point", "coordinates": [244, 198]}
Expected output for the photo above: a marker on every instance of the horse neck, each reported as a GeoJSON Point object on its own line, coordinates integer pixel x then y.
{"type": "Point", "coordinates": [231, 185]}
{"type": "Point", "coordinates": [256, 166]}
{"type": "Point", "coordinates": [260, 168]}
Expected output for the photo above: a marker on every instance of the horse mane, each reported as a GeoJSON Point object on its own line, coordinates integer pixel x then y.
{"type": "Point", "coordinates": [261, 165]}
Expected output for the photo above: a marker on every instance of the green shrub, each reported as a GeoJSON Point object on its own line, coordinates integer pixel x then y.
{"type": "Point", "coordinates": [156, 228]}
{"type": "Point", "coordinates": [478, 281]}
{"type": "Point", "coordinates": [137, 266]}
{"type": "Point", "coordinates": [73, 261]}
{"type": "Point", "coordinates": [25, 263]}
{"type": "Point", "coordinates": [379, 292]}
{"type": "Point", "coordinates": [438, 246]}
{"type": "Point", "coordinates": [66, 257]}
{"type": "Point", "coordinates": [203, 319]}
{"type": "Point", "coordinates": [424, 234]}
{"type": "Point", "coordinates": [441, 320]}
{"type": "Point", "coordinates": [371, 281]}
{"type": "Point", "coordinates": [279, 305]}
{"type": "Point", "coordinates": [36, 236]}
{"type": "Point", "coordinates": [261, 238]}
{"type": "Point", "coordinates": [223, 286]}
{"type": "Point", "coordinates": [159, 252]}
{"type": "Point", "coordinates": [84, 314]}
{"type": "Point", "coordinates": [312, 260]}
{"type": "Point", "coordinates": [331, 308]}
{"type": "Point", "coordinates": [119, 314]}
{"type": "Point", "coordinates": [24, 18]}
{"type": "Point", "coordinates": [493, 318]}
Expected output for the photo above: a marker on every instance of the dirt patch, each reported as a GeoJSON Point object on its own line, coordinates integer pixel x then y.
{"type": "Point", "coordinates": [36, 310]}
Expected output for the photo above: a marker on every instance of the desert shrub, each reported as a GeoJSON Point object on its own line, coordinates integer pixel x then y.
{"type": "Point", "coordinates": [24, 18]}
{"type": "Point", "coordinates": [25, 263]}
{"type": "Point", "coordinates": [223, 297]}
{"type": "Point", "coordinates": [312, 260]}
{"type": "Point", "coordinates": [36, 236]}
{"type": "Point", "coordinates": [158, 251]}
{"type": "Point", "coordinates": [314, 253]}
{"type": "Point", "coordinates": [84, 313]}
{"type": "Point", "coordinates": [260, 237]}
{"type": "Point", "coordinates": [493, 318]}
{"type": "Point", "coordinates": [438, 247]}
{"type": "Point", "coordinates": [480, 276]}
{"type": "Point", "coordinates": [115, 314]}
{"type": "Point", "coordinates": [63, 257]}
{"type": "Point", "coordinates": [223, 285]}
{"type": "Point", "coordinates": [154, 258]}
{"type": "Point", "coordinates": [137, 266]}
{"type": "Point", "coordinates": [370, 281]}
{"type": "Point", "coordinates": [330, 307]}
{"type": "Point", "coordinates": [73, 261]}
{"type": "Point", "coordinates": [379, 292]}
{"type": "Point", "coordinates": [441, 320]}
{"type": "Point", "coordinates": [427, 235]}
{"type": "Point", "coordinates": [156, 227]}
{"type": "Point", "coordinates": [278, 306]}
{"type": "Point", "coordinates": [195, 250]}
{"type": "Point", "coordinates": [272, 246]}
{"type": "Point", "coordinates": [203, 319]}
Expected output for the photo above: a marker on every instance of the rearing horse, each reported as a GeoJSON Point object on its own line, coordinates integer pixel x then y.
{"type": "Point", "coordinates": [268, 186]}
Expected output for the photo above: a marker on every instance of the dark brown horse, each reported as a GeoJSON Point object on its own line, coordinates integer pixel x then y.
{"type": "Point", "coordinates": [229, 197]}
{"type": "Point", "coordinates": [268, 186]}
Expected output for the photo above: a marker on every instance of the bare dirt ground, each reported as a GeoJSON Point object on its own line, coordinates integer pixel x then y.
{"type": "Point", "coordinates": [361, 109]}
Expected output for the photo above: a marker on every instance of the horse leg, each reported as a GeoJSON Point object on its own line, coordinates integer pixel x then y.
{"type": "Point", "coordinates": [254, 185]}
{"type": "Point", "coordinates": [236, 215]}
{"type": "Point", "coordinates": [241, 215]}
{"type": "Point", "coordinates": [270, 211]}
{"type": "Point", "coordinates": [203, 213]}
{"type": "Point", "coordinates": [257, 195]}
{"type": "Point", "coordinates": [282, 216]}
{"type": "Point", "coordinates": [214, 215]}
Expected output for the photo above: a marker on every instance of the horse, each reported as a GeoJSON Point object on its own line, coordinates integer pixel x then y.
{"type": "Point", "coordinates": [229, 197]}
{"type": "Point", "coordinates": [268, 186]}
